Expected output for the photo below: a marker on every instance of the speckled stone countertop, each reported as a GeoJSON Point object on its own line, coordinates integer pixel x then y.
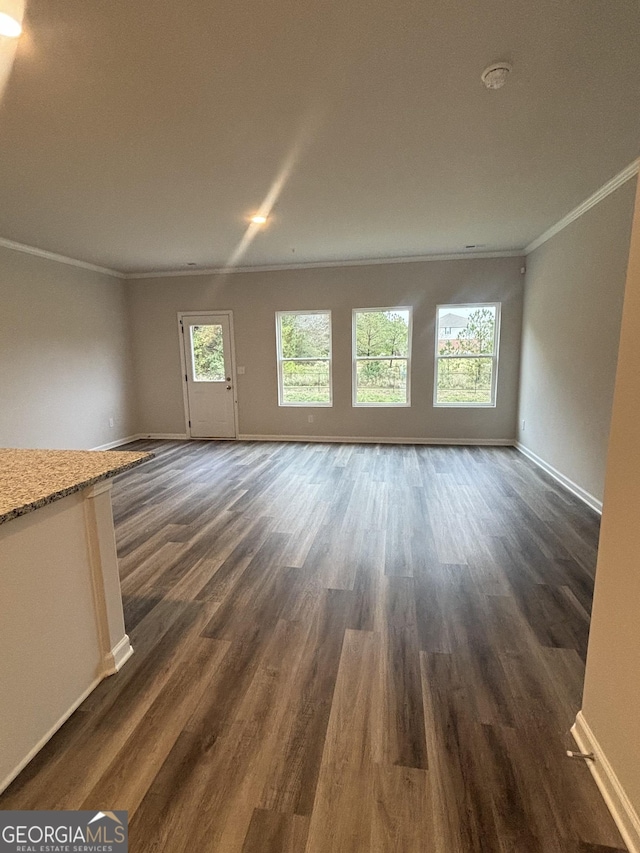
{"type": "Point", "coordinates": [30, 479]}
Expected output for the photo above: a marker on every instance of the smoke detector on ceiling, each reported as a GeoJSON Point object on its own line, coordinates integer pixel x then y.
{"type": "Point", "coordinates": [495, 76]}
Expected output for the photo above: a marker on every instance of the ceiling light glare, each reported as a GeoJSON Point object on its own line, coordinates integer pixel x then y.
{"type": "Point", "coordinates": [258, 220]}
{"type": "Point", "coordinates": [495, 76]}
{"type": "Point", "coordinates": [9, 27]}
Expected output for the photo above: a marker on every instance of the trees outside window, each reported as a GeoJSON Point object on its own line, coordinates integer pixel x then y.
{"type": "Point", "coordinates": [381, 356]}
{"type": "Point", "coordinates": [207, 348]}
{"type": "Point", "coordinates": [304, 358]}
{"type": "Point", "coordinates": [467, 355]}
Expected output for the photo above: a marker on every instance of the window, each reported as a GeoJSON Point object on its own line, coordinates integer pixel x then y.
{"type": "Point", "coordinates": [304, 358]}
{"type": "Point", "coordinates": [381, 356]}
{"type": "Point", "coordinates": [467, 355]}
{"type": "Point", "coordinates": [207, 353]}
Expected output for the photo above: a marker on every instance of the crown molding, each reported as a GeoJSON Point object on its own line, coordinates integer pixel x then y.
{"type": "Point", "coordinates": [52, 256]}
{"type": "Point", "coordinates": [617, 181]}
{"type": "Point", "coordinates": [612, 185]}
{"type": "Point", "coordinates": [360, 262]}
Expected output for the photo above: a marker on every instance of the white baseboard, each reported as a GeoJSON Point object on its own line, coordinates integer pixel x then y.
{"type": "Point", "coordinates": [116, 443]}
{"type": "Point", "coordinates": [336, 439]}
{"type": "Point", "coordinates": [36, 749]}
{"type": "Point", "coordinates": [618, 803]}
{"type": "Point", "coordinates": [119, 655]}
{"type": "Point", "coordinates": [173, 436]}
{"type": "Point", "coordinates": [568, 484]}
{"type": "Point", "coordinates": [352, 439]}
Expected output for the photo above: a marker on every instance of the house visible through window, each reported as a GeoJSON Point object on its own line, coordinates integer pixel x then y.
{"type": "Point", "coordinates": [381, 356]}
{"type": "Point", "coordinates": [467, 355]}
{"type": "Point", "coordinates": [304, 358]}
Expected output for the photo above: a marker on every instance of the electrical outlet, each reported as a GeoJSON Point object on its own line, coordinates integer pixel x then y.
{"type": "Point", "coordinates": [241, 371]}
{"type": "Point", "coordinates": [310, 418]}
{"type": "Point", "coordinates": [111, 422]}
{"type": "Point", "coordinates": [522, 426]}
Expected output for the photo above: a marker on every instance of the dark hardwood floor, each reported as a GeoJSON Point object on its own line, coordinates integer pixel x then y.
{"type": "Point", "coordinates": [340, 648]}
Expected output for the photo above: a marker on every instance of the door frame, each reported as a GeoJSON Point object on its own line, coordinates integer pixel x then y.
{"type": "Point", "coordinates": [183, 365]}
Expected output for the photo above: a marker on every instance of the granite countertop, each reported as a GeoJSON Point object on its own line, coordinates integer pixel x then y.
{"type": "Point", "coordinates": [30, 479]}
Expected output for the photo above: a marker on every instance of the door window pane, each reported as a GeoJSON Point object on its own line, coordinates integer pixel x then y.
{"type": "Point", "coordinates": [207, 353]}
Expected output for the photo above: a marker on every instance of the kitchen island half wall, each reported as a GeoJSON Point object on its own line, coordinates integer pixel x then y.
{"type": "Point", "coordinates": [61, 621]}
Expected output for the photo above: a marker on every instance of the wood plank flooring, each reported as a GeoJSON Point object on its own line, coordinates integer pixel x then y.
{"type": "Point", "coordinates": [340, 648]}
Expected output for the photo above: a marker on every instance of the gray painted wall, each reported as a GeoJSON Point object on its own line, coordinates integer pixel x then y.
{"type": "Point", "coordinates": [64, 355]}
{"type": "Point", "coordinates": [574, 288]}
{"type": "Point", "coordinates": [612, 687]}
{"type": "Point", "coordinates": [254, 299]}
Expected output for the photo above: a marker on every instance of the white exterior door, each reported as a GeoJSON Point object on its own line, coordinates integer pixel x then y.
{"type": "Point", "coordinates": [209, 377]}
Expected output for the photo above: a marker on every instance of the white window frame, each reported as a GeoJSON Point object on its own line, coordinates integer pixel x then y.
{"type": "Point", "coordinates": [281, 360]}
{"type": "Point", "coordinates": [356, 358]}
{"type": "Point", "coordinates": [494, 357]}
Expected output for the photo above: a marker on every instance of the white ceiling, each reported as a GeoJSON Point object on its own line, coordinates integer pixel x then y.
{"type": "Point", "coordinates": [140, 135]}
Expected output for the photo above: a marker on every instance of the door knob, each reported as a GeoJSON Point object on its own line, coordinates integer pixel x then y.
{"type": "Point", "coordinates": [228, 387]}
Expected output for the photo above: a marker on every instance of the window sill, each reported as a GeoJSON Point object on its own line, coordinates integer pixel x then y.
{"type": "Point", "coordinates": [464, 405]}
{"type": "Point", "coordinates": [381, 405]}
{"type": "Point", "coordinates": [305, 405]}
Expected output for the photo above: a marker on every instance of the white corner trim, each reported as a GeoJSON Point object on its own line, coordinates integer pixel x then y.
{"type": "Point", "coordinates": [54, 728]}
{"type": "Point", "coordinates": [564, 481]}
{"type": "Point", "coordinates": [97, 489]}
{"type": "Point", "coordinates": [613, 793]}
{"type": "Point", "coordinates": [118, 656]}
{"type": "Point", "coordinates": [117, 443]}
{"type": "Point", "coordinates": [351, 439]}
{"type": "Point", "coordinates": [615, 182]}
{"type": "Point", "coordinates": [358, 262]}
{"type": "Point", "coordinates": [52, 256]}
